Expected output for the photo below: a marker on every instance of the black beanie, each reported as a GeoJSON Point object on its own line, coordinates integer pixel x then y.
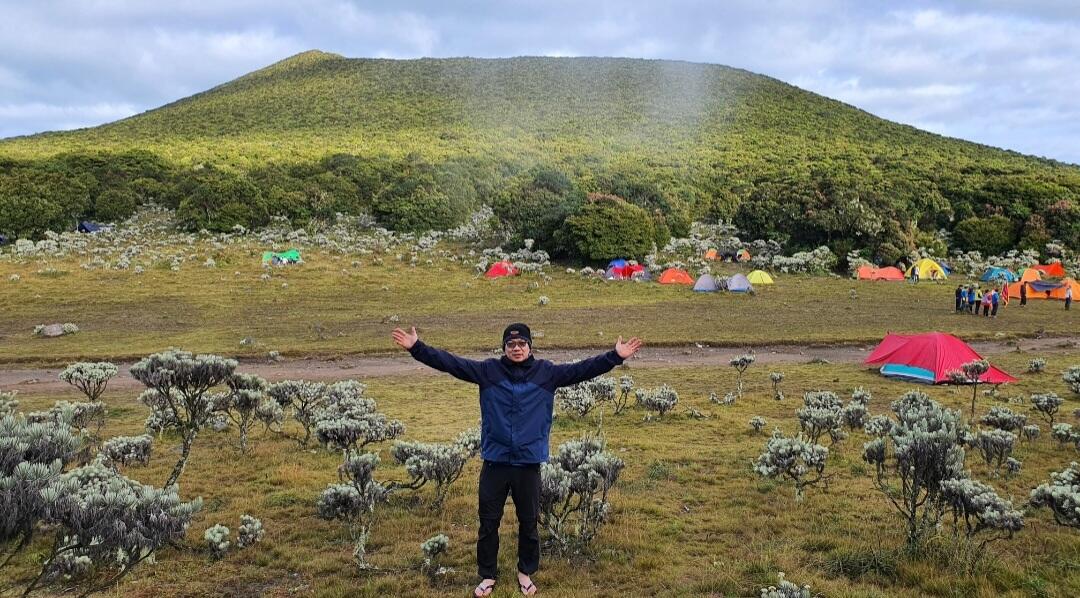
{"type": "Point", "coordinates": [517, 331]}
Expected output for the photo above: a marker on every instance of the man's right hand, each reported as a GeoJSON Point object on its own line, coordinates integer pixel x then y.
{"type": "Point", "coordinates": [405, 340]}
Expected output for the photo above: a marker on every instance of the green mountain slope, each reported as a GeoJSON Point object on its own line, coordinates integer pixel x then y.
{"type": "Point", "coordinates": [689, 140]}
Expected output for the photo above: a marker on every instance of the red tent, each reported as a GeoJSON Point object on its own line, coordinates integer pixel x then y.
{"type": "Point", "coordinates": [1054, 270]}
{"type": "Point", "coordinates": [928, 358]}
{"type": "Point", "coordinates": [500, 269]}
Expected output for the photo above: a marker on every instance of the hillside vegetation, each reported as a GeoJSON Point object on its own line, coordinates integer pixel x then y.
{"type": "Point", "coordinates": [419, 144]}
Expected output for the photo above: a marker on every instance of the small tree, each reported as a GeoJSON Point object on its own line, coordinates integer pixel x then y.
{"type": "Point", "coordinates": [583, 397]}
{"type": "Point", "coordinates": [980, 510]}
{"type": "Point", "coordinates": [1064, 434]}
{"type": "Point", "coordinates": [1047, 405]}
{"type": "Point", "coordinates": [970, 373]}
{"type": "Point", "coordinates": [1071, 377]}
{"type": "Point", "coordinates": [1030, 432]}
{"type": "Point", "coordinates": [798, 459]}
{"type": "Point", "coordinates": [1061, 495]}
{"type": "Point", "coordinates": [127, 450]}
{"type": "Point", "coordinates": [740, 364]}
{"type": "Point", "coordinates": [995, 446]}
{"type": "Point", "coordinates": [574, 488]}
{"type": "Point", "coordinates": [241, 402]}
{"type": "Point", "coordinates": [354, 501]}
{"type": "Point", "coordinates": [626, 384]}
{"type": "Point", "coordinates": [821, 413]}
{"type": "Point", "coordinates": [777, 378]}
{"type": "Point", "coordinates": [182, 384]}
{"type": "Point", "coordinates": [757, 423]}
{"type": "Point", "coordinates": [926, 440]}
{"type": "Point", "coordinates": [348, 421]}
{"type": "Point", "coordinates": [438, 463]}
{"type": "Point", "coordinates": [89, 377]}
{"type": "Point", "coordinates": [856, 412]}
{"type": "Point", "coordinates": [660, 400]}
{"type": "Point", "coordinates": [1037, 365]}
{"type": "Point", "coordinates": [304, 398]}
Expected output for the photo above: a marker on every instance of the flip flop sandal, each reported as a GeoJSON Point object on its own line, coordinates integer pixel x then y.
{"type": "Point", "coordinates": [525, 589]}
{"type": "Point", "coordinates": [480, 591]}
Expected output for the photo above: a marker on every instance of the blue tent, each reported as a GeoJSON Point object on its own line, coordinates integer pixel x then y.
{"type": "Point", "coordinates": [739, 284]}
{"type": "Point", "coordinates": [1041, 286]}
{"type": "Point", "coordinates": [994, 273]}
{"type": "Point", "coordinates": [617, 263]}
{"type": "Point", "coordinates": [706, 284]}
{"type": "Point", "coordinates": [946, 267]}
{"type": "Point", "coordinates": [3, 240]}
{"type": "Point", "coordinates": [85, 226]}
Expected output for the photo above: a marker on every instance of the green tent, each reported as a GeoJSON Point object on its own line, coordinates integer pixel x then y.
{"type": "Point", "coordinates": [291, 256]}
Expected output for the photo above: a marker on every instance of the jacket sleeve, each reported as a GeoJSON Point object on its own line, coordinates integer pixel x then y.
{"type": "Point", "coordinates": [571, 373]}
{"type": "Point", "coordinates": [468, 370]}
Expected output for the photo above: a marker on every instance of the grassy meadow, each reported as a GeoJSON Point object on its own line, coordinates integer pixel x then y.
{"type": "Point", "coordinates": [689, 517]}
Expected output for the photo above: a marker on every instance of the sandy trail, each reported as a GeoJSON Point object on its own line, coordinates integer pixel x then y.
{"type": "Point", "coordinates": [46, 381]}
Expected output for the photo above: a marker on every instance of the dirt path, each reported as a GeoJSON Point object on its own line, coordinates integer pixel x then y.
{"type": "Point", "coordinates": [46, 381]}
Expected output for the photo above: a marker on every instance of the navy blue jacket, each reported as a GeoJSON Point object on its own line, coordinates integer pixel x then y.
{"type": "Point", "coordinates": [516, 400]}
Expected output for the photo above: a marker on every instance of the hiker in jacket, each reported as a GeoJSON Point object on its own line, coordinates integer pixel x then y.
{"type": "Point", "coordinates": [960, 296]}
{"type": "Point", "coordinates": [517, 394]}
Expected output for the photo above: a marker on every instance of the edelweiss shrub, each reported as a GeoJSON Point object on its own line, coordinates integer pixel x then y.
{"type": "Point", "coordinates": [581, 398]}
{"type": "Point", "coordinates": [822, 413]}
{"type": "Point", "coordinates": [217, 541]}
{"type": "Point", "coordinates": [777, 378]}
{"type": "Point", "coordinates": [348, 421]}
{"type": "Point", "coordinates": [1030, 432]}
{"type": "Point", "coordinates": [354, 500]}
{"type": "Point", "coordinates": [626, 384]}
{"type": "Point", "coordinates": [127, 450]}
{"type": "Point", "coordinates": [574, 488]}
{"type": "Point", "coordinates": [89, 377]}
{"type": "Point", "coordinates": [181, 383]}
{"type": "Point", "coordinates": [926, 441]}
{"type": "Point", "coordinates": [1061, 495]}
{"type": "Point", "coordinates": [1012, 467]}
{"type": "Point", "coordinates": [305, 399]}
{"type": "Point", "coordinates": [271, 415]}
{"type": "Point", "coordinates": [250, 531]}
{"type": "Point", "coordinates": [8, 404]}
{"type": "Point", "coordinates": [661, 400]}
{"type": "Point", "coordinates": [241, 401]}
{"type": "Point", "coordinates": [1071, 377]}
{"type": "Point", "coordinates": [1037, 365]}
{"type": "Point", "coordinates": [798, 459]}
{"type": "Point", "coordinates": [1003, 418]}
{"type": "Point", "coordinates": [113, 521]}
{"type": "Point", "coordinates": [433, 548]}
{"type": "Point", "coordinates": [757, 423]}
{"type": "Point", "coordinates": [740, 364]}
{"type": "Point", "coordinates": [995, 446]}
{"type": "Point", "coordinates": [785, 589]}
{"type": "Point", "coordinates": [1047, 405]}
{"type": "Point", "coordinates": [79, 414]}
{"type": "Point", "coordinates": [1064, 433]}
{"type": "Point", "coordinates": [441, 464]}
{"type": "Point", "coordinates": [977, 509]}
{"type": "Point", "coordinates": [855, 413]}
{"type": "Point", "coordinates": [970, 373]}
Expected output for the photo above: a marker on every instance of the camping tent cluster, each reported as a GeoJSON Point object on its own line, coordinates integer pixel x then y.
{"type": "Point", "coordinates": [739, 283]}
{"type": "Point", "coordinates": [621, 269]}
{"type": "Point", "coordinates": [928, 358]}
{"type": "Point", "coordinates": [728, 255]}
{"type": "Point", "coordinates": [1037, 288]}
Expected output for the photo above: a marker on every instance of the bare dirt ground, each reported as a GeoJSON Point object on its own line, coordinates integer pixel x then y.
{"type": "Point", "coordinates": [46, 380]}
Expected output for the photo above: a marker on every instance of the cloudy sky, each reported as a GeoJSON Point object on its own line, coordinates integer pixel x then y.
{"type": "Point", "coordinates": [1000, 72]}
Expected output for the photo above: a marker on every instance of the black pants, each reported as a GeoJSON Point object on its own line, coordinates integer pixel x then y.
{"type": "Point", "coordinates": [993, 310]}
{"type": "Point", "coordinates": [523, 485]}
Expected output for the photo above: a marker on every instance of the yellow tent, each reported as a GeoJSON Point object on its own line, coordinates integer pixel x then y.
{"type": "Point", "coordinates": [759, 277]}
{"type": "Point", "coordinates": [928, 270]}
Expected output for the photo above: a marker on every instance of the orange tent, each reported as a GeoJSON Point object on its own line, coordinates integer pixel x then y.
{"type": "Point", "coordinates": [743, 255]}
{"type": "Point", "coordinates": [1054, 270]}
{"type": "Point", "coordinates": [675, 276]}
{"type": "Point", "coordinates": [871, 273]}
{"type": "Point", "coordinates": [1026, 276]}
{"type": "Point", "coordinates": [710, 254]}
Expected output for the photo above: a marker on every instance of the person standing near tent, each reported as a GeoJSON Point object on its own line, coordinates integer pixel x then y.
{"type": "Point", "coordinates": [986, 300]}
{"type": "Point", "coordinates": [959, 298]}
{"type": "Point", "coordinates": [915, 274]}
{"type": "Point", "coordinates": [516, 403]}
{"type": "Point", "coordinates": [1068, 297]}
{"type": "Point", "coordinates": [995, 298]}
{"type": "Point", "coordinates": [1023, 294]}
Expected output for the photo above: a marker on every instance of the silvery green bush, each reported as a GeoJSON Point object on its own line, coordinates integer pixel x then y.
{"type": "Point", "coordinates": [433, 548]}
{"type": "Point", "coordinates": [79, 414]}
{"type": "Point", "coordinates": [182, 383]}
{"type": "Point", "coordinates": [127, 450]}
{"type": "Point", "coordinates": [777, 378]}
{"type": "Point", "coordinates": [440, 464]}
{"type": "Point", "coordinates": [250, 531]}
{"type": "Point", "coordinates": [305, 399]}
{"type": "Point", "coordinates": [270, 414]}
{"type": "Point", "coordinates": [8, 403]}
{"type": "Point", "coordinates": [348, 421]}
{"type": "Point", "coordinates": [1012, 466]}
{"type": "Point", "coordinates": [626, 384]}
{"type": "Point", "coordinates": [757, 423]}
{"type": "Point", "coordinates": [995, 446]}
{"type": "Point", "coordinates": [217, 540]}
{"type": "Point", "coordinates": [971, 373]}
{"type": "Point", "coordinates": [1037, 365]}
{"type": "Point", "coordinates": [740, 363]}
{"type": "Point", "coordinates": [798, 459]}
{"type": "Point", "coordinates": [821, 414]}
{"type": "Point", "coordinates": [574, 487]}
{"type": "Point", "coordinates": [1071, 377]}
{"type": "Point", "coordinates": [1061, 495]}
{"type": "Point", "coordinates": [878, 425]}
{"type": "Point", "coordinates": [1030, 432]}
{"type": "Point", "coordinates": [89, 377]}
{"type": "Point", "coordinates": [856, 412]}
{"type": "Point", "coordinates": [240, 403]}
{"type": "Point", "coordinates": [1047, 405]}
{"type": "Point", "coordinates": [354, 501]}
{"type": "Point", "coordinates": [926, 442]}
{"type": "Point", "coordinates": [785, 589]}
{"type": "Point", "coordinates": [114, 521]}
{"type": "Point", "coordinates": [661, 400]}
{"type": "Point", "coordinates": [977, 509]}
{"type": "Point", "coordinates": [581, 398]}
{"type": "Point", "coordinates": [1004, 418]}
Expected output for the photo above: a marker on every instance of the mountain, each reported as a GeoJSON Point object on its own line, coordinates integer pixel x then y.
{"type": "Point", "coordinates": [691, 140]}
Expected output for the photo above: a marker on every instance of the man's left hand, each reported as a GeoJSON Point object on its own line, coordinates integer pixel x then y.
{"type": "Point", "coordinates": [626, 350]}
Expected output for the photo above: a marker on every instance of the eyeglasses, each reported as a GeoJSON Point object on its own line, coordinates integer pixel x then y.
{"type": "Point", "coordinates": [516, 344]}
